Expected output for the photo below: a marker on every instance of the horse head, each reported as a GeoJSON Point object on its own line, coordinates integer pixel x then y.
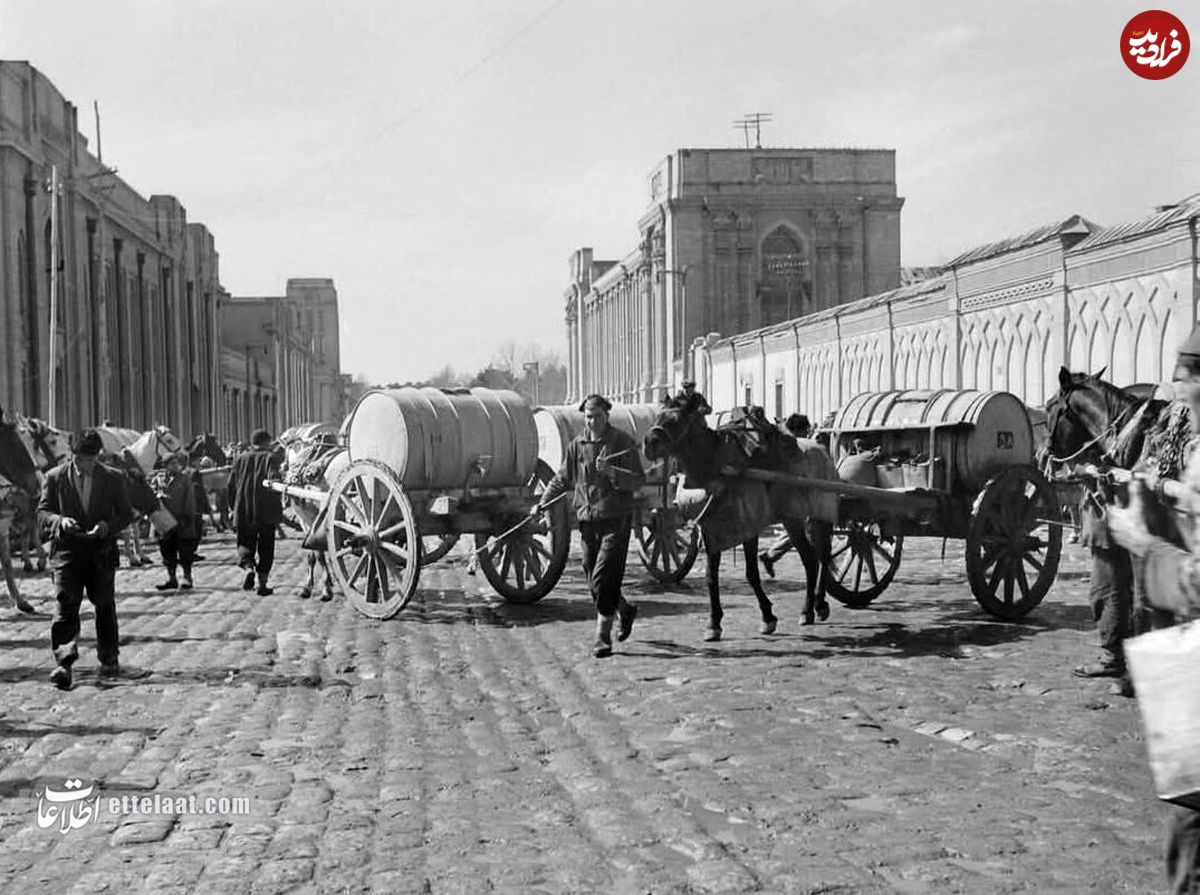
{"type": "Point", "coordinates": [681, 432]}
{"type": "Point", "coordinates": [16, 464]}
{"type": "Point", "coordinates": [1091, 417]}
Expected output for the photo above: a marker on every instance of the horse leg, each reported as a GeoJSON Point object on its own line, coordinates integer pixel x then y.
{"type": "Point", "coordinates": [820, 535]}
{"type": "Point", "coordinates": [10, 580]}
{"type": "Point", "coordinates": [715, 613]}
{"type": "Point", "coordinates": [769, 621]}
{"type": "Point", "coordinates": [812, 570]}
{"type": "Point", "coordinates": [310, 557]}
{"type": "Point", "coordinates": [327, 595]}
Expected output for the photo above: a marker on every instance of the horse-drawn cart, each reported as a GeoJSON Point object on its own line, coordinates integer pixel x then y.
{"type": "Point", "coordinates": [666, 544]}
{"type": "Point", "coordinates": [945, 464]}
{"type": "Point", "coordinates": [438, 462]}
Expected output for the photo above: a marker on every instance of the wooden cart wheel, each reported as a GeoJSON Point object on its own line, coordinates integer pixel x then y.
{"type": "Point", "coordinates": [1013, 545]}
{"type": "Point", "coordinates": [434, 547]}
{"type": "Point", "coordinates": [526, 565]}
{"type": "Point", "coordinates": [373, 540]}
{"type": "Point", "coordinates": [667, 549]}
{"type": "Point", "coordinates": [863, 562]}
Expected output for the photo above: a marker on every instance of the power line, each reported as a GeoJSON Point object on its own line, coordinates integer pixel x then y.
{"type": "Point", "coordinates": [484, 60]}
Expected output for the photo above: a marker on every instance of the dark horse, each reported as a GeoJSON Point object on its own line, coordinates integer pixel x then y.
{"type": "Point", "coordinates": [737, 509]}
{"type": "Point", "coordinates": [1093, 421]}
{"type": "Point", "coordinates": [18, 500]}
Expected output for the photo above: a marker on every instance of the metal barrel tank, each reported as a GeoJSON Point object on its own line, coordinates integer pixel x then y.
{"type": "Point", "coordinates": [430, 437]}
{"type": "Point", "coordinates": [557, 424]}
{"type": "Point", "coordinates": [978, 434]}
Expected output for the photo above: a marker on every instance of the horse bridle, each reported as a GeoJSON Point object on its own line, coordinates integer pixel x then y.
{"type": "Point", "coordinates": [688, 418]}
{"type": "Point", "coordinates": [1064, 408]}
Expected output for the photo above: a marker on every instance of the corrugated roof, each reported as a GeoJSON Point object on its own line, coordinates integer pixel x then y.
{"type": "Point", "coordinates": [1185, 208]}
{"type": "Point", "coordinates": [1074, 224]}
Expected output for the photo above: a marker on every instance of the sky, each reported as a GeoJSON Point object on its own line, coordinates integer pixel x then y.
{"type": "Point", "coordinates": [441, 159]}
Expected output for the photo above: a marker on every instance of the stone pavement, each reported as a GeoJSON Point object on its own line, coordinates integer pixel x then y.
{"type": "Point", "coordinates": [468, 745]}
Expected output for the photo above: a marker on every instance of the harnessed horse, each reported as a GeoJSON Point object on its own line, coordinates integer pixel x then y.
{"type": "Point", "coordinates": [313, 462]}
{"type": "Point", "coordinates": [22, 488]}
{"type": "Point", "coordinates": [47, 448]}
{"type": "Point", "coordinates": [738, 509]}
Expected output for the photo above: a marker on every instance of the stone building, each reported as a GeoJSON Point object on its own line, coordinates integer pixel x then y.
{"type": "Point", "coordinates": [1001, 316]}
{"type": "Point", "coordinates": [731, 240]}
{"type": "Point", "coordinates": [317, 301]}
{"type": "Point", "coordinates": [145, 332]}
{"type": "Point", "coordinates": [267, 366]}
{"type": "Point", "coordinates": [137, 284]}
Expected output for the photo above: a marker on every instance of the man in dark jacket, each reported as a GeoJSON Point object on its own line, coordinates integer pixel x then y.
{"type": "Point", "coordinates": [83, 508]}
{"type": "Point", "coordinates": [256, 510]}
{"type": "Point", "coordinates": [603, 466]}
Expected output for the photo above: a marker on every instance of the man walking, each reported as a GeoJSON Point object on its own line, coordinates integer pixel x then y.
{"type": "Point", "coordinates": [603, 466]}
{"type": "Point", "coordinates": [800, 428]}
{"type": "Point", "coordinates": [256, 510]}
{"type": "Point", "coordinates": [1171, 582]}
{"type": "Point", "coordinates": [83, 508]}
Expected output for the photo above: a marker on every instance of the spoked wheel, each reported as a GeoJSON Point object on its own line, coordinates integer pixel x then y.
{"type": "Point", "coordinates": [525, 565]}
{"type": "Point", "coordinates": [1013, 543]}
{"type": "Point", "coordinates": [434, 547]}
{"type": "Point", "coordinates": [863, 563]}
{"type": "Point", "coordinates": [667, 549]}
{"type": "Point", "coordinates": [373, 543]}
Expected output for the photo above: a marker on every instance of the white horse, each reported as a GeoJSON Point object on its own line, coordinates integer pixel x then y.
{"type": "Point", "coordinates": [143, 449]}
{"type": "Point", "coordinates": [313, 463]}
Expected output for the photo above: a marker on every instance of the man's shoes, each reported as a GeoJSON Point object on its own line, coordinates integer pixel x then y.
{"type": "Point", "coordinates": [626, 614]}
{"type": "Point", "coordinates": [110, 669]}
{"type": "Point", "coordinates": [197, 558]}
{"type": "Point", "coordinates": [1123, 687]}
{"type": "Point", "coordinates": [25, 606]}
{"type": "Point", "coordinates": [248, 581]}
{"type": "Point", "coordinates": [187, 584]}
{"type": "Point", "coordinates": [1100, 669]}
{"type": "Point", "coordinates": [768, 564]}
{"type": "Point", "coordinates": [169, 584]}
{"type": "Point", "coordinates": [61, 677]}
{"type": "Point", "coordinates": [602, 648]}
{"type": "Point", "coordinates": [264, 591]}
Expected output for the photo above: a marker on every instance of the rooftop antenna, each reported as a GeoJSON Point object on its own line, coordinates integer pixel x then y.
{"type": "Point", "coordinates": [755, 120]}
{"type": "Point", "coordinates": [744, 126]}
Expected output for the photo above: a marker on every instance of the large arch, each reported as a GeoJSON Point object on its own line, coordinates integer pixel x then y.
{"type": "Point", "coordinates": [785, 275]}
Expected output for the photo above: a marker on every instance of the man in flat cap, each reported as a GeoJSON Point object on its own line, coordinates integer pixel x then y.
{"type": "Point", "coordinates": [603, 465]}
{"type": "Point", "coordinates": [257, 510]}
{"type": "Point", "coordinates": [1170, 578]}
{"type": "Point", "coordinates": [84, 506]}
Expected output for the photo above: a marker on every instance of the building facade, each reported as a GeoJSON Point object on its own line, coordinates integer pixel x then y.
{"type": "Point", "coordinates": [268, 377]}
{"type": "Point", "coordinates": [731, 240]}
{"type": "Point", "coordinates": [139, 335]}
{"type": "Point", "coordinates": [316, 300]}
{"type": "Point", "coordinates": [1003, 316]}
{"type": "Point", "coordinates": [136, 285]}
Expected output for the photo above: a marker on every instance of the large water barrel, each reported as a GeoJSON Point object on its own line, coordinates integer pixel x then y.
{"type": "Point", "coordinates": [977, 433]}
{"type": "Point", "coordinates": [557, 424]}
{"type": "Point", "coordinates": [430, 437]}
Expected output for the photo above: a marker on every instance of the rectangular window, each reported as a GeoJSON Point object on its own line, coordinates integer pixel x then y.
{"type": "Point", "coordinates": [749, 395]}
{"type": "Point", "coordinates": [778, 400]}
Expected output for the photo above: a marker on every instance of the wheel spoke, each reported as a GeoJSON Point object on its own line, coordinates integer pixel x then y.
{"type": "Point", "coordinates": [1033, 561]}
{"type": "Point", "coordinates": [397, 551]}
{"type": "Point", "coordinates": [836, 553]}
{"type": "Point", "coordinates": [846, 568]}
{"type": "Point", "coordinates": [348, 526]}
{"type": "Point", "coordinates": [390, 502]}
{"type": "Point", "coordinates": [358, 567]}
{"type": "Point", "coordinates": [506, 560]}
{"type": "Point", "coordinates": [870, 561]}
{"type": "Point", "coordinates": [994, 581]}
{"type": "Point", "coordinates": [1022, 581]}
{"type": "Point", "coordinates": [858, 573]}
{"type": "Point", "coordinates": [532, 562]}
{"type": "Point", "coordinates": [889, 558]}
{"type": "Point", "coordinates": [1008, 588]}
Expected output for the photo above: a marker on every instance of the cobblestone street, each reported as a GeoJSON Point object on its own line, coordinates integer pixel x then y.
{"type": "Point", "coordinates": [468, 745]}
